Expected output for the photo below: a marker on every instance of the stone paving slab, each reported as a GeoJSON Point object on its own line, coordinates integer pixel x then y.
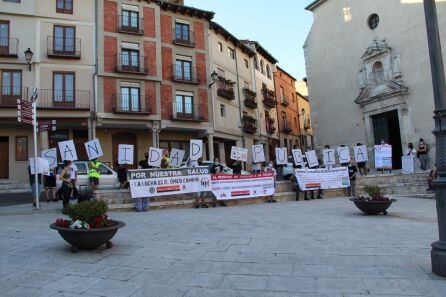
{"type": "Point", "coordinates": [323, 248]}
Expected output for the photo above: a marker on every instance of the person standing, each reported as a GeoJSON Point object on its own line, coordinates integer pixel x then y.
{"type": "Point", "coordinates": [50, 186]}
{"type": "Point", "coordinates": [362, 167]}
{"type": "Point", "coordinates": [430, 180]}
{"type": "Point", "coordinates": [237, 167]}
{"type": "Point", "coordinates": [256, 167]}
{"type": "Point", "coordinates": [201, 196]}
{"type": "Point", "coordinates": [217, 168]}
{"type": "Point", "coordinates": [94, 173]}
{"type": "Point", "coordinates": [352, 170]}
{"type": "Point", "coordinates": [32, 183]}
{"type": "Point", "coordinates": [270, 168]}
{"type": "Point", "coordinates": [144, 164]}
{"type": "Point", "coordinates": [410, 150]}
{"type": "Point", "coordinates": [122, 176]}
{"type": "Point", "coordinates": [141, 204]}
{"type": "Point", "coordinates": [422, 154]}
{"type": "Point", "coordinates": [72, 172]}
{"type": "Point", "coordinates": [67, 185]}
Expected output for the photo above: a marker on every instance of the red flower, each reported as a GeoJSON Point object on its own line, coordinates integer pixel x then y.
{"type": "Point", "coordinates": [62, 223]}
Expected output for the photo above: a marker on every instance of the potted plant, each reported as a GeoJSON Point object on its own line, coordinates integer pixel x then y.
{"type": "Point", "coordinates": [88, 227]}
{"type": "Point", "coordinates": [375, 203]}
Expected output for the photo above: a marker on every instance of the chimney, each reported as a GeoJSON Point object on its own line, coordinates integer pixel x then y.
{"type": "Point", "coordinates": [180, 2]}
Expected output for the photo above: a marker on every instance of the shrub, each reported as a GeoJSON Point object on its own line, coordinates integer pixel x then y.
{"type": "Point", "coordinates": [87, 210]}
{"type": "Point", "coordinates": [373, 190]}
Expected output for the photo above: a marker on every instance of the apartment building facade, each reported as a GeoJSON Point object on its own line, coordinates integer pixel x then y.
{"type": "Point", "coordinates": [305, 123]}
{"type": "Point", "coordinates": [152, 76]}
{"type": "Point", "coordinates": [58, 38]}
{"type": "Point", "coordinates": [287, 109]}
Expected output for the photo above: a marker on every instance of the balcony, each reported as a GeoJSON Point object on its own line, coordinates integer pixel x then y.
{"type": "Point", "coordinates": [270, 128]}
{"type": "Point", "coordinates": [67, 48]}
{"type": "Point", "coordinates": [130, 25]}
{"type": "Point", "coordinates": [286, 128]}
{"type": "Point", "coordinates": [130, 104]}
{"type": "Point", "coordinates": [285, 102]}
{"type": "Point", "coordinates": [225, 88]}
{"type": "Point", "coordinates": [185, 74]}
{"type": "Point", "coordinates": [133, 65]}
{"type": "Point", "coordinates": [250, 98]}
{"type": "Point", "coordinates": [187, 112]}
{"type": "Point", "coordinates": [269, 98]}
{"type": "Point", "coordinates": [180, 38]}
{"type": "Point", "coordinates": [9, 47]}
{"type": "Point", "coordinates": [9, 95]}
{"type": "Point", "coordinates": [249, 124]}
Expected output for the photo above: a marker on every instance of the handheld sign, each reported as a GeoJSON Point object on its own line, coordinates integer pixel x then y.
{"type": "Point", "coordinates": [281, 156]}
{"type": "Point", "coordinates": [383, 156]}
{"type": "Point", "coordinates": [155, 157]}
{"type": "Point", "coordinates": [176, 157]}
{"type": "Point", "coordinates": [42, 166]}
{"type": "Point", "coordinates": [94, 149]}
{"type": "Point", "coordinates": [408, 163]}
{"type": "Point", "coordinates": [51, 156]}
{"type": "Point", "coordinates": [344, 154]}
{"type": "Point", "coordinates": [329, 157]}
{"type": "Point", "coordinates": [258, 154]}
{"type": "Point", "coordinates": [196, 149]}
{"type": "Point", "coordinates": [298, 158]}
{"type": "Point", "coordinates": [67, 150]}
{"type": "Point", "coordinates": [361, 154]}
{"type": "Point", "coordinates": [239, 154]}
{"type": "Point", "coordinates": [312, 159]}
{"type": "Point", "coordinates": [125, 154]}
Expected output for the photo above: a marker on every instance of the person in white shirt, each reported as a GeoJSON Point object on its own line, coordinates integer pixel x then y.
{"type": "Point", "coordinates": [72, 173]}
{"type": "Point", "coordinates": [270, 168]}
{"type": "Point", "coordinates": [256, 167]}
{"type": "Point", "coordinates": [410, 150]}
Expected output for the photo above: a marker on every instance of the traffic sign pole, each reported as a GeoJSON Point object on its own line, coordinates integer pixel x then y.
{"type": "Point", "coordinates": [36, 161]}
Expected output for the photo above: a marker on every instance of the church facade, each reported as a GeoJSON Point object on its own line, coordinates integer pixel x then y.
{"type": "Point", "coordinates": [369, 74]}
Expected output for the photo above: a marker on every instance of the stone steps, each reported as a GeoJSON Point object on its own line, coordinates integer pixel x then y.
{"type": "Point", "coordinates": [395, 184]}
{"type": "Point", "coordinates": [12, 187]}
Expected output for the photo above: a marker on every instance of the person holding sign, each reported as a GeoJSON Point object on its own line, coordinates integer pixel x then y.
{"type": "Point", "coordinates": [201, 196]}
{"type": "Point", "coordinates": [67, 185]}
{"type": "Point", "coordinates": [352, 170]}
{"type": "Point", "coordinates": [270, 168]}
{"type": "Point", "coordinates": [50, 186]}
{"type": "Point", "coordinates": [94, 173]}
{"type": "Point", "coordinates": [361, 158]}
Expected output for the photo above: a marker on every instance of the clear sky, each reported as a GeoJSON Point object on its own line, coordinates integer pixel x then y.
{"type": "Point", "coordinates": [281, 26]}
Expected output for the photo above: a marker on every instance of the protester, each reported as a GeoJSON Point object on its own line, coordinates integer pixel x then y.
{"type": "Point", "coordinates": [422, 154]}
{"type": "Point", "coordinates": [295, 184]}
{"type": "Point", "coordinates": [94, 173]}
{"type": "Point", "coordinates": [256, 167]}
{"type": "Point", "coordinates": [201, 196]}
{"type": "Point", "coordinates": [328, 166]}
{"type": "Point", "coordinates": [32, 183]}
{"type": "Point", "coordinates": [122, 176]}
{"type": "Point", "coordinates": [165, 163]}
{"type": "Point", "coordinates": [67, 185]}
{"type": "Point", "coordinates": [362, 165]}
{"type": "Point", "coordinates": [410, 150]}
{"type": "Point", "coordinates": [49, 181]}
{"type": "Point", "coordinates": [217, 168]}
{"type": "Point", "coordinates": [144, 164]}
{"type": "Point", "coordinates": [237, 168]}
{"type": "Point", "coordinates": [141, 204]}
{"type": "Point", "coordinates": [270, 168]}
{"type": "Point", "coordinates": [344, 164]}
{"type": "Point", "coordinates": [191, 163]}
{"type": "Point", "coordinates": [433, 174]}
{"type": "Point", "coordinates": [352, 170]}
{"type": "Point", "coordinates": [73, 171]}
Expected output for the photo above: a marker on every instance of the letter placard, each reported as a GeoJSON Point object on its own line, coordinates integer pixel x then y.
{"type": "Point", "coordinates": [67, 150]}
{"type": "Point", "coordinates": [196, 149]}
{"type": "Point", "coordinates": [51, 156]}
{"type": "Point", "coordinates": [361, 154]}
{"type": "Point", "coordinates": [125, 154]}
{"type": "Point", "coordinates": [239, 154]}
{"type": "Point", "coordinates": [43, 166]}
{"type": "Point", "coordinates": [94, 149]}
{"type": "Point", "coordinates": [258, 154]}
{"type": "Point", "coordinates": [155, 157]}
{"type": "Point", "coordinates": [176, 157]}
{"type": "Point", "coordinates": [312, 159]}
{"type": "Point", "coordinates": [344, 154]}
{"type": "Point", "coordinates": [298, 158]}
{"type": "Point", "coordinates": [281, 156]}
{"type": "Point", "coordinates": [329, 157]}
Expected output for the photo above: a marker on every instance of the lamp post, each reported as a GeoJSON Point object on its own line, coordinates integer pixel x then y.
{"type": "Point", "coordinates": [28, 56]}
{"type": "Point", "coordinates": [438, 253]}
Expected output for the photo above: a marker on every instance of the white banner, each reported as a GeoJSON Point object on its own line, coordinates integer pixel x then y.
{"type": "Point", "coordinates": [94, 149]}
{"type": "Point", "coordinates": [258, 154]}
{"type": "Point", "coordinates": [239, 154]}
{"type": "Point", "coordinates": [329, 157]}
{"type": "Point", "coordinates": [229, 187]}
{"type": "Point", "coordinates": [125, 154]}
{"type": "Point", "coordinates": [176, 157]}
{"type": "Point", "coordinates": [361, 154]}
{"type": "Point", "coordinates": [383, 156]}
{"type": "Point", "coordinates": [408, 163]}
{"type": "Point", "coordinates": [311, 179]}
{"type": "Point", "coordinates": [344, 154]}
{"type": "Point", "coordinates": [163, 182]}
{"type": "Point", "coordinates": [51, 156]}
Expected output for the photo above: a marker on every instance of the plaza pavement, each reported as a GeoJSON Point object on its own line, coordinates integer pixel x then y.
{"type": "Point", "coordinates": [291, 249]}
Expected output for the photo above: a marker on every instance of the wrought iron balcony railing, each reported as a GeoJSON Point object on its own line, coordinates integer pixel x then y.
{"type": "Point", "coordinates": [183, 38]}
{"type": "Point", "coordinates": [185, 74]}
{"type": "Point", "coordinates": [131, 104]}
{"type": "Point", "coordinates": [130, 64]}
{"type": "Point", "coordinates": [9, 47]}
{"type": "Point", "coordinates": [130, 25]}
{"type": "Point", "coordinates": [249, 124]}
{"type": "Point", "coordinates": [187, 112]}
{"type": "Point", "coordinates": [58, 47]}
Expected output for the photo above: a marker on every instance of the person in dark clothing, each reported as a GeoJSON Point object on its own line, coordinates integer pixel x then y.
{"type": "Point", "coordinates": [237, 168]}
{"type": "Point", "coordinates": [362, 165]}
{"type": "Point", "coordinates": [32, 182]}
{"type": "Point", "coordinates": [352, 170]}
{"type": "Point", "coordinates": [144, 164]}
{"type": "Point", "coordinates": [216, 167]}
{"type": "Point", "coordinates": [122, 176]}
{"type": "Point", "coordinates": [67, 185]}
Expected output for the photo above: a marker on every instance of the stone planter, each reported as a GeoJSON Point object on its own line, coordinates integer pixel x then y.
{"type": "Point", "coordinates": [373, 207]}
{"type": "Point", "coordinates": [89, 239]}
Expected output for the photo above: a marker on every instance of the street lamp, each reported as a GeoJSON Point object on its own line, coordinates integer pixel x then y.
{"type": "Point", "coordinates": [214, 78]}
{"type": "Point", "coordinates": [28, 56]}
{"type": "Point", "coordinates": [438, 253]}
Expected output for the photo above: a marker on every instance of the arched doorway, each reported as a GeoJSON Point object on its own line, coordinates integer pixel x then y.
{"type": "Point", "coordinates": [124, 138]}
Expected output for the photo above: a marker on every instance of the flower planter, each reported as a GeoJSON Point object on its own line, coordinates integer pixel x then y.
{"type": "Point", "coordinates": [88, 239]}
{"type": "Point", "coordinates": [373, 207]}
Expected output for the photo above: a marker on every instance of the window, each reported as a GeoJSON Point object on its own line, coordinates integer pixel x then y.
{"type": "Point", "coordinates": [373, 21]}
{"type": "Point", "coordinates": [11, 84]}
{"type": "Point", "coordinates": [64, 6]}
{"type": "Point", "coordinates": [130, 59]}
{"type": "Point", "coordinates": [220, 46]}
{"type": "Point", "coordinates": [130, 99]}
{"type": "Point", "coordinates": [231, 53]}
{"type": "Point", "coordinates": [284, 119]}
{"type": "Point", "coordinates": [130, 20]}
{"type": "Point", "coordinates": [282, 94]}
{"type": "Point", "coordinates": [182, 32]}
{"type": "Point", "coordinates": [64, 39]}
{"type": "Point", "coordinates": [184, 104]}
{"type": "Point", "coordinates": [4, 36]}
{"type": "Point", "coordinates": [183, 70]}
{"type": "Point", "coordinates": [63, 88]}
{"type": "Point", "coordinates": [268, 71]}
{"type": "Point", "coordinates": [222, 110]}
{"type": "Point", "coordinates": [262, 67]}
{"type": "Point", "coordinates": [21, 148]}
{"type": "Point", "coordinates": [256, 63]}
{"type": "Point", "coordinates": [246, 63]}
{"type": "Point", "coordinates": [12, 1]}
{"type": "Point", "coordinates": [293, 96]}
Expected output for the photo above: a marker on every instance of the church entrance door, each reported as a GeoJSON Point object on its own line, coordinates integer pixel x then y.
{"type": "Point", "coordinates": [387, 126]}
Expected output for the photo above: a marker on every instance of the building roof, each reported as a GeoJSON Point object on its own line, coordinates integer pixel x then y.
{"type": "Point", "coordinates": [313, 5]}
{"type": "Point", "coordinates": [287, 73]}
{"type": "Point", "coordinates": [185, 10]}
{"type": "Point", "coordinates": [228, 36]}
{"type": "Point", "coordinates": [261, 50]}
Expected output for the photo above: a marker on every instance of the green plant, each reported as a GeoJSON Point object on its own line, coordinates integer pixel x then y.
{"type": "Point", "coordinates": [87, 210]}
{"type": "Point", "coordinates": [373, 190]}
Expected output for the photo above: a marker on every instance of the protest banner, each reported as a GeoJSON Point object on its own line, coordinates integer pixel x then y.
{"type": "Point", "coordinates": [155, 157]}
{"type": "Point", "coordinates": [329, 157]}
{"type": "Point", "coordinates": [51, 156]}
{"type": "Point", "coordinates": [176, 157]}
{"type": "Point", "coordinates": [258, 154]}
{"type": "Point", "coordinates": [163, 182]}
{"type": "Point", "coordinates": [67, 150]}
{"type": "Point", "coordinates": [312, 159]}
{"type": "Point", "coordinates": [361, 154]}
{"type": "Point", "coordinates": [239, 154]}
{"type": "Point", "coordinates": [298, 158]}
{"type": "Point", "coordinates": [344, 154]}
{"type": "Point", "coordinates": [94, 149]}
{"type": "Point", "coordinates": [228, 187]}
{"type": "Point", "coordinates": [281, 156]}
{"type": "Point", "coordinates": [325, 179]}
{"type": "Point", "coordinates": [196, 149]}
{"type": "Point", "coordinates": [383, 156]}
{"type": "Point", "coordinates": [125, 154]}
{"type": "Point", "coordinates": [408, 163]}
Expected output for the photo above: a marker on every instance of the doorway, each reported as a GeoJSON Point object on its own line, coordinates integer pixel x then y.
{"type": "Point", "coordinates": [124, 138]}
{"type": "Point", "coordinates": [387, 126]}
{"type": "Point", "coordinates": [228, 147]}
{"type": "Point", "coordinates": [4, 157]}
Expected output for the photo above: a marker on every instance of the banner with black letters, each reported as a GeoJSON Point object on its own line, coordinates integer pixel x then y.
{"type": "Point", "coordinates": [228, 187]}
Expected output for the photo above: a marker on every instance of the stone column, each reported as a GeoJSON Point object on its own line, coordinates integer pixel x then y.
{"type": "Point", "coordinates": [211, 146]}
{"type": "Point", "coordinates": [156, 137]}
{"type": "Point", "coordinates": [44, 141]}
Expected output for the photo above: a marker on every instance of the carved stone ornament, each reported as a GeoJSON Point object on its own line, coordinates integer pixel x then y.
{"type": "Point", "coordinates": [380, 77]}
